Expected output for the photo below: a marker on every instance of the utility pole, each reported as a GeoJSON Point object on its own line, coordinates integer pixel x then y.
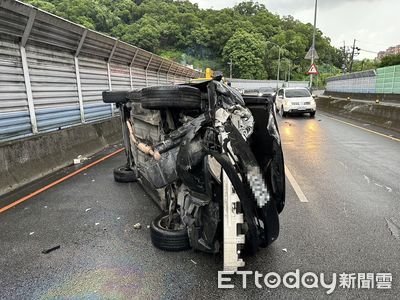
{"type": "Point", "coordinates": [344, 65]}
{"type": "Point", "coordinates": [352, 56]}
{"type": "Point", "coordinates": [313, 40]}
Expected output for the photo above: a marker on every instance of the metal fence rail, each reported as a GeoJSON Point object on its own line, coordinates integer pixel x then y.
{"type": "Point", "coordinates": [255, 85]}
{"type": "Point", "coordinates": [380, 81]}
{"type": "Point", "coordinates": [52, 71]}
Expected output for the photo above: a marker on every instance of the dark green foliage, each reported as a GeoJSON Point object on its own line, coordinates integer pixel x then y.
{"type": "Point", "coordinates": [182, 31]}
{"type": "Point", "coordinates": [390, 60]}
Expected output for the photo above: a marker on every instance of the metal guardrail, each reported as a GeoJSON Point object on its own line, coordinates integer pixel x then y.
{"type": "Point", "coordinates": [361, 74]}
{"type": "Point", "coordinates": [255, 85]}
{"type": "Point", "coordinates": [52, 71]}
{"type": "Point", "coordinates": [380, 81]}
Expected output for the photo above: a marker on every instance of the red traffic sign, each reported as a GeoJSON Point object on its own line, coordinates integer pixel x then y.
{"type": "Point", "coordinates": [313, 70]}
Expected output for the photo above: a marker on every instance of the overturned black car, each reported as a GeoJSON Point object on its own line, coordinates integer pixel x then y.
{"type": "Point", "coordinates": [212, 160]}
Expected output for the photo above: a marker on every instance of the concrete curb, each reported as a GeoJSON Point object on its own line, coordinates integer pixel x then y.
{"type": "Point", "coordinates": [25, 160]}
{"type": "Point", "coordinates": [382, 115]}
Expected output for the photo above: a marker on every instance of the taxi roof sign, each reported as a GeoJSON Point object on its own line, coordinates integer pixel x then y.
{"type": "Point", "coordinates": [313, 70]}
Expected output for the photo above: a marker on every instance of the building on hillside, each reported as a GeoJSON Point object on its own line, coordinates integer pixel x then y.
{"type": "Point", "coordinates": [389, 51]}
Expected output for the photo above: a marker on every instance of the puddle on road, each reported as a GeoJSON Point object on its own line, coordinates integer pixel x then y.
{"type": "Point", "coordinates": [393, 228]}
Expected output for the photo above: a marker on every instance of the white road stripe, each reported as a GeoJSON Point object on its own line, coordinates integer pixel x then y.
{"type": "Point", "coordinates": [295, 186]}
{"type": "Point", "coordinates": [362, 128]}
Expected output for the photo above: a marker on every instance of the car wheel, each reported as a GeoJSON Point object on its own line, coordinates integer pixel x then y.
{"type": "Point", "coordinates": [124, 174]}
{"type": "Point", "coordinates": [312, 114]}
{"type": "Point", "coordinates": [282, 112]}
{"type": "Point", "coordinates": [171, 96]}
{"type": "Point", "coordinates": [168, 239]}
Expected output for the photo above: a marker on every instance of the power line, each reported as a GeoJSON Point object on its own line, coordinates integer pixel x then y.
{"type": "Point", "coordinates": [369, 51]}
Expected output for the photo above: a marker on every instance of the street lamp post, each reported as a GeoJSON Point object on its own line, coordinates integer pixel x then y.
{"type": "Point", "coordinates": [230, 68]}
{"type": "Point", "coordinates": [279, 59]}
{"type": "Point", "coordinates": [279, 67]}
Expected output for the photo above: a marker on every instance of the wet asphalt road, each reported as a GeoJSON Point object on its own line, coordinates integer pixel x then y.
{"type": "Point", "coordinates": [351, 223]}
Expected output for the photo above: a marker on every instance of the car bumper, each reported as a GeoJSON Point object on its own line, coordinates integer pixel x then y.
{"type": "Point", "coordinates": [299, 109]}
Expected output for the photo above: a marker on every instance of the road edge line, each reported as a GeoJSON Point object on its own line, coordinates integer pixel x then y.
{"type": "Point", "coordinates": [295, 186]}
{"type": "Point", "coordinates": [363, 128]}
{"type": "Point", "coordinates": [54, 183]}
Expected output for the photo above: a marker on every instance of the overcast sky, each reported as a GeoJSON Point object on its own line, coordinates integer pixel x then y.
{"type": "Point", "coordinates": [374, 24]}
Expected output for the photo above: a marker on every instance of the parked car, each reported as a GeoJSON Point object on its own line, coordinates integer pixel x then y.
{"type": "Point", "coordinates": [211, 159]}
{"type": "Point", "coordinates": [295, 100]}
{"type": "Point", "coordinates": [266, 91]}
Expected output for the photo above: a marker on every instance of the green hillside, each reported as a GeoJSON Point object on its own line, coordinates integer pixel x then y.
{"type": "Point", "coordinates": [181, 31]}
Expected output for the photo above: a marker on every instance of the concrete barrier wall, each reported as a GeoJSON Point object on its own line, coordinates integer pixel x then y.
{"type": "Point", "coordinates": [382, 115]}
{"type": "Point", "coordinates": [25, 160]}
{"type": "Point", "coordinates": [394, 98]}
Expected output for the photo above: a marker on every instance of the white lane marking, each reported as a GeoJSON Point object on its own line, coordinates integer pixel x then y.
{"type": "Point", "coordinates": [369, 130]}
{"type": "Point", "coordinates": [295, 186]}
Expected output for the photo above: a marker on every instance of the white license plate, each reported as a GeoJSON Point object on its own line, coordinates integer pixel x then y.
{"type": "Point", "coordinates": [301, 108]}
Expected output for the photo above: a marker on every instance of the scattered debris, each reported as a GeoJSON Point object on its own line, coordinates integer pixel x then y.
{"type": "Point", "coordinates": [51, 249]}
{"type": "Point", "coordinates": [118, 218]}
{"type": "Point", "coordinates": [393, 228]}
{"type": "Point", "coordinates": [88, 209]}
{"type": "Point", "coordinates": [148, 226]}
{"type": "Point", "coordinates": [30, 233]}
{"type": "Point", "coordinates": [96, 223]}
{"type": "Point", "coordinates": [137, 226]}
{"type": "Point", "coordinates": [319, 120]}
{"type": "Point", "coordinates": [84, 174]}
{"type": "Point", "coordinates": [193, 262]}
{"type": "Point", "coordinates": [366, 178]}
{"type": "Point", "coordinates": [105, 229]}
{"type": "Point", "coordinates": [45, 206]}
{"type": "Point", "coordinates": [389, 189]}
{"type": "Point", "coordinates": [284, 250]}
{"type": "Point", "coordinates": [377, 184]}
{"type": "Point", "coordinates": [93, 180]}
{"type": "Point", "coordinates": [79, 159]}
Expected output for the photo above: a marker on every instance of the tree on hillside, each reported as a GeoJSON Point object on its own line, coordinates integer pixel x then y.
{"type": "Point", "coordinates": [181, 29]}
{"type": "Point", "coordinates": [247, 52]}
{"type": "Point", "coordinates": [390, 60]}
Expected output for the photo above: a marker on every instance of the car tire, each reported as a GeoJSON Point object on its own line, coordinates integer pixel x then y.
{"type": "Point", "coordinates": [124, 174]}
{"type": "Point", "coordinates": [171, 96]}
{"type": "Point", "coordinates": [312, 114]}
{"type": "Point", "coordinates": [168, 239]}
{"type": "Point", "coordinates": [121, 96]}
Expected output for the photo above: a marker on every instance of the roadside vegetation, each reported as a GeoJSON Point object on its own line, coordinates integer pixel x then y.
{"type": "Point", "coordinates": [181, 31]}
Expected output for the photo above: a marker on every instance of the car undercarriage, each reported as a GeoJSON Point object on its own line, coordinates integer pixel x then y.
{"type": "Point", "coordinates": [211, 159]}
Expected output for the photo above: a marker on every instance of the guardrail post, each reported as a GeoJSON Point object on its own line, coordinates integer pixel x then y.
{"type": "Point", "coordinates": [109, 73]}
{"type": "Point", "coordinates": [158, 72]}
{"type": "Point", "coordinates": [169, 70]}
{"type": "Point", "coordinates": [130, 67]}
{"type": "Point", "coordinates": [148, 64]}
{"type": "Point", "coordinates": [177, 69]}
{"type": "Point", "coordinates": [25, 69]}
{"type": "Point", "coordinates": [78, 76]}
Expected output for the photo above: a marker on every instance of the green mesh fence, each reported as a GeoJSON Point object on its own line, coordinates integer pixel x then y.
{"type": "Point", "coordinates": [388, 80]}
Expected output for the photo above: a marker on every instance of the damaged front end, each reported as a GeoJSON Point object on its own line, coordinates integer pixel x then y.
{"type": "Point", "coordinates": [212, 160]}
